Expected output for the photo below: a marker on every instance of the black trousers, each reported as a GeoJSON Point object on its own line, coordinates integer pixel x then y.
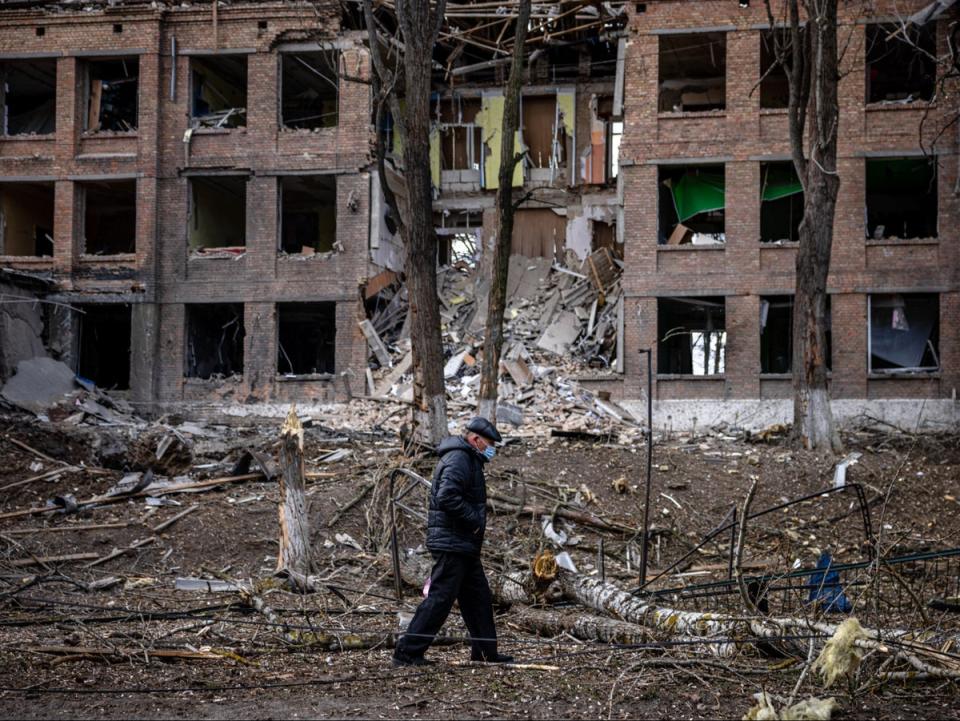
{"type": "Point", "coordinates": [455, 577]}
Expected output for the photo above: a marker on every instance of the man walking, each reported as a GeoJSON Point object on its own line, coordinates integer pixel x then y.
{"type": "Point", "coordinates": [455, 526]}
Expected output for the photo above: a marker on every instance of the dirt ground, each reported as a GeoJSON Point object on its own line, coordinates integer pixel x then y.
{"type": "Point", "coordinates": [50, 619]}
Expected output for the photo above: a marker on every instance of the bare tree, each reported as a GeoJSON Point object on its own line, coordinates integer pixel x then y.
{"type": "Point", "coordinates": [811, 61]}
{"type": "Point", "coordinates": [504, 205]}
{"type": "Point", "coordinates": [419, 25]}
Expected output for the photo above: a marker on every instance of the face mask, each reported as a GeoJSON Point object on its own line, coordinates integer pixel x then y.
{"type": "Point", "coordinates": [489, 452]}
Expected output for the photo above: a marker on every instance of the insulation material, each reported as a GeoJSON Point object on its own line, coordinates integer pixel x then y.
{"type": "Point", "coordinates": [538, 232]}
{"type": "Point", "coordinates": [490, 118]}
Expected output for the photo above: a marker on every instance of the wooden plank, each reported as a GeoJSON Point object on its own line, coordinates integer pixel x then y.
{"type": "Point", "coordinates": [170, 521]}
{"type": "Point", "coordinates": [376, 345]}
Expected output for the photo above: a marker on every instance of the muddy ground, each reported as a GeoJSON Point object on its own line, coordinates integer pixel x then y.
{"type": "Point", "coordinates": [70, 652]}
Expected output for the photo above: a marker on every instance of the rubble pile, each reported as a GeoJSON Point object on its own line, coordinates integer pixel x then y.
{"type": "Point", "coordinates": [559, 326]}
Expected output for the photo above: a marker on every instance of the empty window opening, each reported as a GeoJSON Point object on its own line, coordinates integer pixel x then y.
{"type": "Point", "coordinates": [28, 97]}
{"type": "Point", "coordinates": [545, 131]}
{"type": "Point", "coordinates": [904, 332]}
{"type": "Point", "coordinates": [306, 334]}
{"type": "Point", "coordinates": [458, 238]}
{"type": "Point", "coordinates": [214, 340]}
{"type": "Point", "coordinates": [26, 219]}
{"type": "Point", "coordinates": [109, 216]}
{"type": "Point", "coordinates": [776, 334]}
{"type": "Point", "coordinates": [901, 198]}
{"type": "Point", "coordinates": [310, 89]}
{"type": "Point", "coordinates": [103, 345]}
{"type": "Point", "coordinates": [308, 214]}
{"type": "Point", "coordinates": [112, 95]}
{"type": "Point", "coordinates": [693, 71]}
{"type": "Point", "coordinates": [693, 336]}
{"type": "Point", "coordinates": [219, 91]}
{"type": "Point", "coordinates": [774, 86]}
{"type": "Point", "coordinates": [781, 203]}
{"type": "Point", "coordinates": [901, 63]}
{"type": "Point", "coordinates": [691, 205]}
{"type": "Point", "coordinates": [218, 214]}
{"type": "Point", "coordinates": [461, 139]}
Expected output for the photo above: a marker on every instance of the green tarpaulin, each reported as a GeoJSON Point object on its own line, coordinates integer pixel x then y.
{"type": "Point", "coordinates": [697, 193]}
{"type": "Point", "coordinates": [779, 182]}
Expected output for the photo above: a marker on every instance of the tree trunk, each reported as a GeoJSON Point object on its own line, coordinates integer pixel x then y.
{"type": "Point", "coordinates": [294, 554]}
{"type": "Point", "coordinates": [814, 77]}
{"type": "Point", "coordinates": [584, 626]}
{"type": "Point", "coordinates": [419, 27]}
{"type": "Point", "coordinates": [500, 263]}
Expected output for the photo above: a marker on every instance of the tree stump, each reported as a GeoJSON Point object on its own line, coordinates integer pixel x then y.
{"type": "Point", "coordinates": [294, 554]}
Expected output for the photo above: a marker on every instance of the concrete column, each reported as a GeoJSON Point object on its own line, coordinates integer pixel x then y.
{"type": "Point", "coordinates": [144, 337]}
{"type": "Point", "coordinates": [170, 346]}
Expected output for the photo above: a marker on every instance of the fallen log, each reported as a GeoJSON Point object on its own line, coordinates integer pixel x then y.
{"type": "Point", "coordinates": [584, 626]}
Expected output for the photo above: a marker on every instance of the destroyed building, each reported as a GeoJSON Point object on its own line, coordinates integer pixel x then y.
{"type": "Point", "coordinates": [195, 182]}
{"type": "Point", "coordinates": [185, 187]}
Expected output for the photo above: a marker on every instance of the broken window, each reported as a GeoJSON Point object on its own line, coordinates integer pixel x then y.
{"type": "Point", "coordinates": [219, 91]}
{"type": "Point", "coordinates": [103, 345]}
{"type": "Point", "coordinates": [218, 214]}
{"type": "Point", "coordinates": [109, 216]}
{"type": "Point", "coordinates": [693, 336]}
{"type": "Point", "coordinates": [901, 63]}
{"type": "Point", "coordinates": [28, 97]}
{"type": "Point", "coordinates": [691, 205]}
{"type": "Point", "coordinates": [693, 69]}
{"type": "Point", "coordinates": [306, 335]}
{"type": "Point", "coordinates": [774, 87]}
{"type": "Point", "coordinates": [308, 214]}
{"type": "Point", "coordinates": [904, 332]}
{"type": "Point", "coordinates": [781, 202]}
{"type": "Point", "coordinates": [901, 198]}
{"type": "Point", "coordinates": [26, 219]}
{"type": "Point", "coordinates": [310, 86]}
{"type": "Point", "coordinates": [776, 334]}
{"type": "Point", "coordinates": [112, 94]}
{"type": "Point", "coordinates": [461, 139]}
{"type": "Point", "coordinates": [214, 340]}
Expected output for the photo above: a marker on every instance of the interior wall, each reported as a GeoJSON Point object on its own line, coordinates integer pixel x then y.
{"type": "Point", "coordinates": [110, 217]}
{"type": "Point", "coordinates": [539, 232]}
{"type": "Point", "coordinates": [218, 212]}
{"type": "Point", "coordinates": [25, 209]}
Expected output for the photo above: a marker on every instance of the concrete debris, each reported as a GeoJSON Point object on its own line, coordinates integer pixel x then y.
{"type": "Point", "coordinates": [561, 327]}
{"type": "Point", "coordinates": [38, 384]}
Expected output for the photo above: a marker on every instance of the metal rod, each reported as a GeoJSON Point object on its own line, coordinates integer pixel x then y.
{"type": "Point", "coordinates": [646, 502]}
{"type": "Point", "coordinates": [733, 542]}
{"type": "Point", "coordinates": [601, 564]}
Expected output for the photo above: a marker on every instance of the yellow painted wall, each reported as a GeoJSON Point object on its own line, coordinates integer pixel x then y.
{"type": "Point", "coordinates": [490, 119]}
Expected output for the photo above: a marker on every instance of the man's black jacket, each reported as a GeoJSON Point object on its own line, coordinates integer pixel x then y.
{"type": "Point", "coordinates": [458, 500]}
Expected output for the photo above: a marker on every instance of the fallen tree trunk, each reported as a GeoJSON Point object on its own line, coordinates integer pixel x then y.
{"type": "Point", "coordinates": [583, 626]}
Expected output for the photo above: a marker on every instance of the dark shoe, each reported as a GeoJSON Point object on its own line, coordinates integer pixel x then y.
{"type": "Point", "coordinates": [401, 660]}
{"type": "Point", "coordinates": [499, 658]}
